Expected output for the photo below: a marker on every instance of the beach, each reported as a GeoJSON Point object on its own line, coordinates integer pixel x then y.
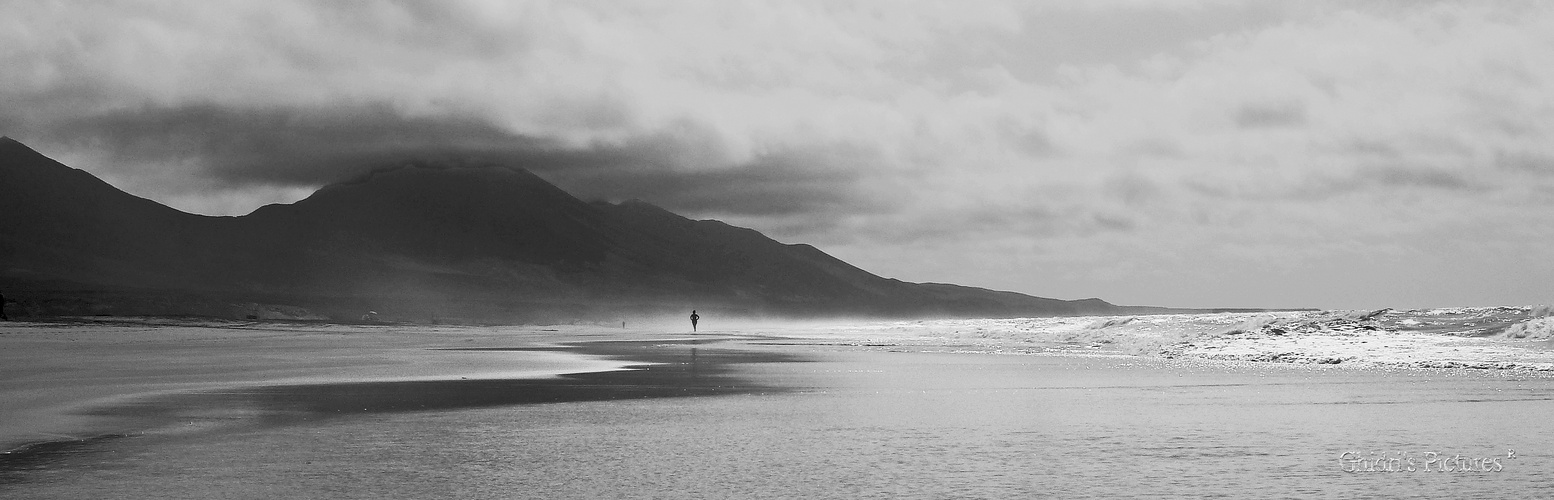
{"type": "Point", "coordinates": [264, 410]}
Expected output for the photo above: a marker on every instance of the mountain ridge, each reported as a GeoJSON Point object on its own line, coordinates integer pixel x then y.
{"type": "Point", "coordinates": [421, 241]}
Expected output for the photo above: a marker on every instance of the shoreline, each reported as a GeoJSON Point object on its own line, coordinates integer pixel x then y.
{"type": "Point", "coordinates": [58, 379]}
{"type": "Point", "coordinates": [398, 361]}
{"type": "Point", "coordinates": [842, 417]}
{"type": "Point", "coordinates": [658, 368]}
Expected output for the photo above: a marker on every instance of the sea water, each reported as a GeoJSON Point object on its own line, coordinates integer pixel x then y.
{"type": "Point", "coordinates": [901, 419]}
{"type": "Point", "coordinates": [1517, 338]}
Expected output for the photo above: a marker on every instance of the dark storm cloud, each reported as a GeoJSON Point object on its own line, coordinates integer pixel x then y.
{"type": "Point", "coordinates": [784, 183]}
{"type": "Point", "coordinates": [313, 147]}
{"type": "Point", "coordinates": [283, 146]}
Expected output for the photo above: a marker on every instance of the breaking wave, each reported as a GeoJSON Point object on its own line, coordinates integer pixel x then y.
{"type": "Point", "coordinates": [1499, 338]}
{"type": "Point", "coordinates": [1540, 326]}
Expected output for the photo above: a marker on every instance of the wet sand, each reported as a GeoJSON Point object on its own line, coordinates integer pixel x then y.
{"type": "Point", "coordinates": [79, 380]}
{"type": "Point", "coordinates": [803, 418]}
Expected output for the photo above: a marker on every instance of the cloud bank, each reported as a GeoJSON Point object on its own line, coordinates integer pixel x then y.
{"type": "Point", "coordinates": [1190, 153]}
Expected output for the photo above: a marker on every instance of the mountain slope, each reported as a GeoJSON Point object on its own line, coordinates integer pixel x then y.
{"type": "Point", "coordinates": [61, 223]}
{"type": "Point", "coordinates": [430, 242]}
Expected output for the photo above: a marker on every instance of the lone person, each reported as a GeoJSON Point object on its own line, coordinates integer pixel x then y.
{"type": "Point", "coordinates": [2, 309]}
{"type": "Point", "coordinates": [694, 319]}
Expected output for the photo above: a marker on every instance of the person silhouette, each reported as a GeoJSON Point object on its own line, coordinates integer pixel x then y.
{"type": "Point", "coordinates": [694, 319]}
{"type": "Point", "coordinates": [2, 308]}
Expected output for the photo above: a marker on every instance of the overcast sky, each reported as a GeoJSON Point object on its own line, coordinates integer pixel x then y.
{"type": "Point", "coordinates": [1179, 153]}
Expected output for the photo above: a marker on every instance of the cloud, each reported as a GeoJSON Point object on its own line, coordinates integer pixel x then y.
{"type": "Point", "coordinates": [808, 183]}
{"type": "Point", "coordinates": [683, 169]}
{"type": "Point", "coordinates": [1253, 116]}
{"type": "Point", "coordinates": [276, 146]}
{"type": "Point", "coordinates": [1073, 142]}
{"type": "Point", "coordinates": [1527, 162]}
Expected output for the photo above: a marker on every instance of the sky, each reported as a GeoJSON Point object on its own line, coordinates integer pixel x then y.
{"type": "Point", "coordinates": [1329, 154]}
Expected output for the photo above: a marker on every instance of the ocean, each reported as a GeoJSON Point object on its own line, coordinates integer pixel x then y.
{"type": "Point", "coordinates": [1349, 404]}
{"type": "Point", "coordinates": [1492, 338]}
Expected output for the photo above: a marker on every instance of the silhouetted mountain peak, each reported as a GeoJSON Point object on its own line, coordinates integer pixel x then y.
{"type": "Point", "coordinates": [433, 238]}
{"type": "Point", "coordinates": [28, 177]}
{"type": "Point", "coordinates": [641, 208]}
{"type": "Point", "coordinates": [12, 150]}
{"type": "Point", "coordinates": [65, 224]}
{"type": "Point", "coordinates": [433, 169]}
{"type": "Point", "coordinates": [421, 186]}
{"type": "Point", "coordinates": [444, 214]}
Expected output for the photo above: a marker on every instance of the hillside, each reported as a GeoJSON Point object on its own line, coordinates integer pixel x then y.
{"type": "Point", "coordinates": [423, 242]}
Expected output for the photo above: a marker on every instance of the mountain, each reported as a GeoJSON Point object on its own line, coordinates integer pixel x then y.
{"type": "Point", "coordinates": [425, 242]}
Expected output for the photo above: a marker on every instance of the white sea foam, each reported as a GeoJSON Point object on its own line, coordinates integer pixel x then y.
{"type": "Point", "coordinates": [1517, 338]}
{"type": "Point", "coordinates": [1539, 326]}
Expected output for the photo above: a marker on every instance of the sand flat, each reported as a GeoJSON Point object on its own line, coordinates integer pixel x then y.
{"type": "Point", "coordinates": [796, 417]}
{"type": "Point", "coordinates": [49, 372]}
